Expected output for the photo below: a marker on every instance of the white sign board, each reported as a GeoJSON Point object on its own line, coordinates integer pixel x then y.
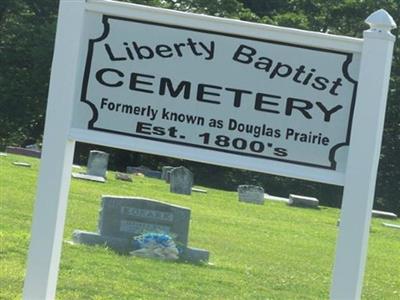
{"type": "Point", "coordinates": [258, 97]}
{"type": "Point", "coordinates": [223, 92]}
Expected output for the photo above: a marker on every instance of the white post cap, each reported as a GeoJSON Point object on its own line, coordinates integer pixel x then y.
{"type": "Point", "coordinates": [381, 23]}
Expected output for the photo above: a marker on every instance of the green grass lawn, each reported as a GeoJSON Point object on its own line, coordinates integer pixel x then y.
{"type": "Point", "coordinates": [257, 252]}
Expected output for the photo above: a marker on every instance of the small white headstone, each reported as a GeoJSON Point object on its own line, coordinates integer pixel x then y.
{"type": "Point", "coordinates": [251, 194]}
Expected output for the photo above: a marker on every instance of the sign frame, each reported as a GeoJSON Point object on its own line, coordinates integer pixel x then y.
{"type": "Point", "coordinates": [59, 138]}
{"type": "Point", "coordinates": [264, 166]}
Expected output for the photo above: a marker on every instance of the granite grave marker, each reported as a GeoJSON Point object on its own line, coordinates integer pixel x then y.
{"type": "Point", "coordinates": [251, 194]}
{"type": "Point", "coordinates": [97, 163]}
{"type": "Point", "coordinates": [127, 217]}
{"type": "Point", "coordinates": [164, 172]}
{"type": "Point", "coordinates": [123, 218]}
{"type": "Point", "coordinates": [181, 181]}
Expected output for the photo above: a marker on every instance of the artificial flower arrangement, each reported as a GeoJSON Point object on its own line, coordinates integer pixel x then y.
{"type": "Point", "coordinates": [155, 245]}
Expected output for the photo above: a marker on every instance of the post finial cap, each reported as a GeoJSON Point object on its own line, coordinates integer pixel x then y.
{"type": "Point", "coordinates": [381, 20]}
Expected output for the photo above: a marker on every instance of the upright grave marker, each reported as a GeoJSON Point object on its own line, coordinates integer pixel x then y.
{"type": "Point", "coordinates": [181, 181]}
{"type": "Point", "coordinates": [164, 172]}
{"type": "Point", "coordinates": [251, 194]}
{"type": "Point", "coordinates": [96, 167]}
{"type": "Point", "coordinates": [295, 103]}
{"type": "Point", "coordinates": [123, 218]}
{"type": "Point", "coordinates": [97, 163]}
{"type": "Point", "coordinates": [126, 217]}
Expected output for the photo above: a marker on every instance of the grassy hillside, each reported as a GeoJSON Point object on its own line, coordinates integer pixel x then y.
{"type": "Point", "coordinates": [257, 252]}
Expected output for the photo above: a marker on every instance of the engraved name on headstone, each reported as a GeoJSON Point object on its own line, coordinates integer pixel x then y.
{"type": "Point", "coordinates": [146, 213]}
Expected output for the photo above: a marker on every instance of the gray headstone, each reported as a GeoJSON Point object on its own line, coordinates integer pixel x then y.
{"type": "Point", "coordinates": [168, 176]}
{"type": "Point", "coordinates": [97, 163]}
{"type": "Point", "coordinates": [88, 177]}
{"type": "Point", "coordinates": [126, 217]}
{"type": "Point", "coordinates": [164, 171]}
{"type": "Point", "coordinates": [303, 201]}
{"type": "Point", "coordinates": [123, 176]}
{"type": "Point", "coordinates": [123, 218]}
{"type": "Point", "coordinates": [383, 214]}
{"type": "Point", "coordinates": [21, 164]}
{"type": "Point", "coordinates": [181, 181]}
{"type": "Point", "coordinates": [251, 194]}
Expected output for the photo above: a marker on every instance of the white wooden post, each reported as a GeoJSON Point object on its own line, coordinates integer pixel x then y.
{"type": "Point", "coordinates": [363, 158]}
{"type": "Point", "coordinates": [56, 162]}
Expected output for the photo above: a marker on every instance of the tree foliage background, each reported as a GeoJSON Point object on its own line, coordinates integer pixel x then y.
{"type": "Point", "coordinates": [27, 31]}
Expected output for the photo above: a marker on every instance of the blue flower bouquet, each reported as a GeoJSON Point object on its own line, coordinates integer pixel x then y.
{"type": "Point", "coordinates": [155, 245]}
